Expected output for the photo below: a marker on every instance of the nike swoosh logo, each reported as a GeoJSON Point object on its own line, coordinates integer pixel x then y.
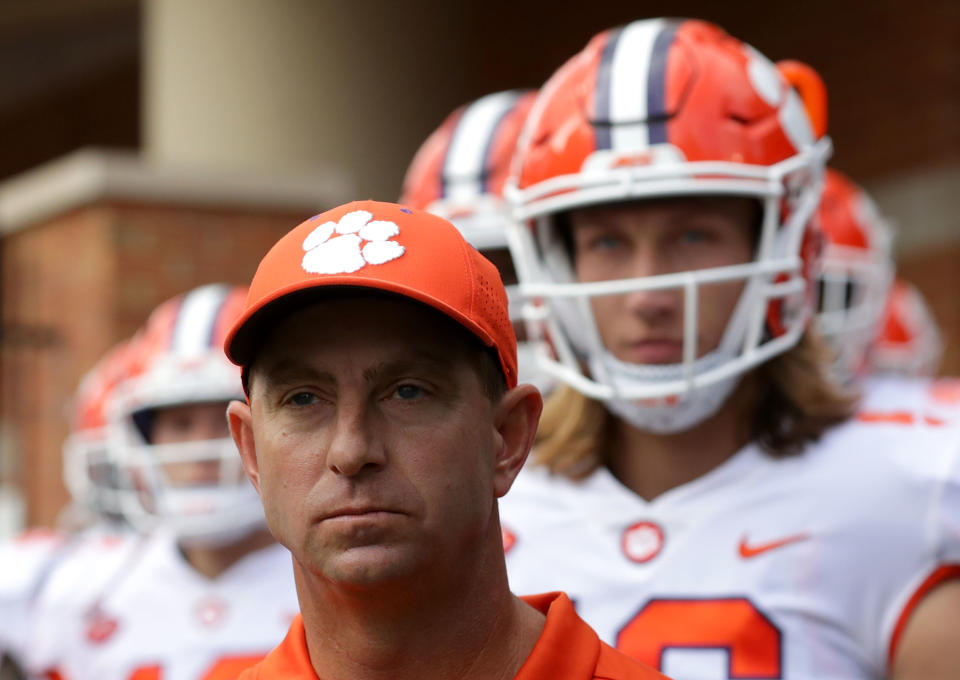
{"type": "Point", "coordinates": [748, 551]}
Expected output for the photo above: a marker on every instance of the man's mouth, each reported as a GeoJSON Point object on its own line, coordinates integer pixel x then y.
{"type": "Point", "coordinates": [653, 351]}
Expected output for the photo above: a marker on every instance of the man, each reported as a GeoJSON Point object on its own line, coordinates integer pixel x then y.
{"type": "Point", "coordinates": [855, 273]}
{"type": "Point", "coordinates": [885, 340]}
{"type": "Point", "coordinates": [383, 422]}
{"type": "Point", "coordinates": [703, 487]}
{"type": "Point", "coordinates": [458, 173]}
{"type": "Point", "coordinates": [903, 360]}
{"type": "Point", "coordinates": [203, 592]}
{"type": "Point", "coordinates": [91, 519]}
{"type": "Point", "coordinates": [909, 341]}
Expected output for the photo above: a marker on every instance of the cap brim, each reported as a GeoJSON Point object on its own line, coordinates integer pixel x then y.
{"type": "Point", "coordinates": [253, 328]}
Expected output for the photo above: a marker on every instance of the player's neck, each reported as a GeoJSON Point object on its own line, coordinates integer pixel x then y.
{"type": "Point", "coordinates": [478, 633]}
{"type": "Point", "coordinates": [651, 464]}
{"type": "Point", "coordinates": [211, 562]}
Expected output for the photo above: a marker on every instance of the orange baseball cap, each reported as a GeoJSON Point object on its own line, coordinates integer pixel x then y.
{"type": "Point", "coordinates": [386, 247]}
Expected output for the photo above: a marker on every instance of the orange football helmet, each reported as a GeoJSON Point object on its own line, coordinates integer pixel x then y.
{"type": "Point", "coordinates": [459, 173]}
{"type": "Point", "coordinates": [177, 359]}
{"type": "Point", "coordinates": [909, 340]}
{"type": "Point", "coordinates": [662, 108]}
{"type": "Point", "coordinates": [89, 471]}
{"type": "Point", "coordinates": [856, 272]}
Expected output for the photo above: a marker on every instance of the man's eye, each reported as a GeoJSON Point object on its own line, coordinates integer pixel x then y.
{"type": "Point", "coordinates": [606, 242]}
{"type": "Point", "coordinates": [409, 391]}
{"type": "Point", "coordinates": [303, 399]}
{"type": "Point", "coordinates": [694, 235]}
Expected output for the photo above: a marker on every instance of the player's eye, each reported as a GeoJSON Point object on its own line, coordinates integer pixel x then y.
{"type": "Point", "coordinates": [606, 242]}
{"type": "Point", "coordinates": [695, 235]}
{"type": "Point", "coordinates": [302, 399]}
{"type": "Point", "coordinates": [408, 391]}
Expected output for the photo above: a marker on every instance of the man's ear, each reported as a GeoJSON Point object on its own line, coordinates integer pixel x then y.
{"type": "Point", "coordinates": [516, 418]}
{"type": "Point", "coordinates": [240, 419]}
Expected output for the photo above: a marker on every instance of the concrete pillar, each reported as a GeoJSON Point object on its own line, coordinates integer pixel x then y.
{"type": "Point", "coordinates": [291, 85]}
{"type": "Point", "coordinates": [225, 85]}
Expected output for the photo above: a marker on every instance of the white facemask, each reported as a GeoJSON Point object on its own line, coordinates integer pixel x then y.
{"type": "Point", "coordinates": [664, 415]}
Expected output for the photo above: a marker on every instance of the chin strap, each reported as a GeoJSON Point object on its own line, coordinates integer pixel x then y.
{"type": "Point", "coordinates": [230, 513]}
{"type": "Point", "coordinates": [665, 415]}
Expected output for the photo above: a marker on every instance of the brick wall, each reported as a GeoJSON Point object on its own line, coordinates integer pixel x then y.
{"type": "Point", "coordinates": [74, 285]}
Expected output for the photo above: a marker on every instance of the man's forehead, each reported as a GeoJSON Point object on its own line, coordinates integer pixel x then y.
{"type": "Point", "coordinates": [328, 367]}
{"type": "Point", "coordinates": [383, 329]}
{"type": "Point", "coordinates": [389, 314]}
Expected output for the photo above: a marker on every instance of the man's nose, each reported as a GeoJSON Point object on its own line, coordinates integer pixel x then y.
{"type": "Point", "coordinates": [652, 303]}
{"type": "Point", "coordinates": [352, 449]}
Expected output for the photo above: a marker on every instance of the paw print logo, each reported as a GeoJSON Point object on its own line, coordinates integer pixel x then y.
{"type": "Point", "coordinates": [350, 244]}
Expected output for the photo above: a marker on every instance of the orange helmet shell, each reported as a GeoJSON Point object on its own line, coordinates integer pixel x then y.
{"type": "Point", "coordinates": [909, 341]}
{"type": "Point", "coordinates": [705, 94]}
{"type": "Point", "coordinates": [469, 152]}
{"type": "Point", "coordinates": [96, 387]}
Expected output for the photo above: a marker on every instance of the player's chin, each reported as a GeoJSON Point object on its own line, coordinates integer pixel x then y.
{"type": "Point", "coordinates": [369, 566]}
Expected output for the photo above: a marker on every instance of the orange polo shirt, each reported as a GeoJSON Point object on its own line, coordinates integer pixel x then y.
{"type": "Point", "coordinates": [567, 649]}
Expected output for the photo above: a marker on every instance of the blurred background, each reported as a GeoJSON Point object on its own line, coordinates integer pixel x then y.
{"type": "Point", "coordinates": [151, 146]}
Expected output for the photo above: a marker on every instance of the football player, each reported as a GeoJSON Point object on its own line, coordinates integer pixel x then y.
{"type": "Point", "coordinates": [206, 592]}
{"type": "Point", "coordinates": [26, 560]}
{"type": "Point", "coordinates": [883, 335]}
{"type": "Point", "coordinates": [90, 522]}
{"type": "Point", "coordinates": [700, 486]}
{"type": "Point", "coordinates": [856, 273]}
{"type": "Point", "coordinates": [903, 360]}
{"type": "Point", "coordinates": [909, 341]}
{"type": "Point", "coordinates": [459, 172]}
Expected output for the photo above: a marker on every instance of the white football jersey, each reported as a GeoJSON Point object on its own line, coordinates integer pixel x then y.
{"type": "Point", "coordinates": [25, 562]}
{"type": "Point", "coordinates": [798, 567]}
{"type": "Point", "coordinates": [907, 399]}
{"type": "Point", "coordinates": [151, 616]}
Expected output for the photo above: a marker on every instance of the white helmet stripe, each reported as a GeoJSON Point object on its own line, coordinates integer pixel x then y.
{"type": "Point", "coordinates": [628, 84]}
{"type": "Point", "coordinates": [196, 318]}
{"type": "Point", "coordinates": [464, 168]}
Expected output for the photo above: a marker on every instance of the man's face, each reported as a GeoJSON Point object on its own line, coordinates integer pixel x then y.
{"type": "Point", "coordinates": [374, 440]}
{"type": "Point", "coordinates": [662, 237]}
{"type": "Point", "coordinates": [189, 422]}
{"type": "Point", "coordinates": [184, 423]}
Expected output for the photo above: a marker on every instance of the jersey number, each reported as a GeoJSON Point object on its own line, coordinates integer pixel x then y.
{"type": "Point", "coordinates": [227, 668]}
{"type": "Point", "coordinates": [752, 642]}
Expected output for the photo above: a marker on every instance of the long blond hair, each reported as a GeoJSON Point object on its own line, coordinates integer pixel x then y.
{"type": "Point", "coordinates": [794, 401]}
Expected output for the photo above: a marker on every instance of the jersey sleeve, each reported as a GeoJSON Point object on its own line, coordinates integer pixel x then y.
{"type": "Point", "coordinates": [942, 559]}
